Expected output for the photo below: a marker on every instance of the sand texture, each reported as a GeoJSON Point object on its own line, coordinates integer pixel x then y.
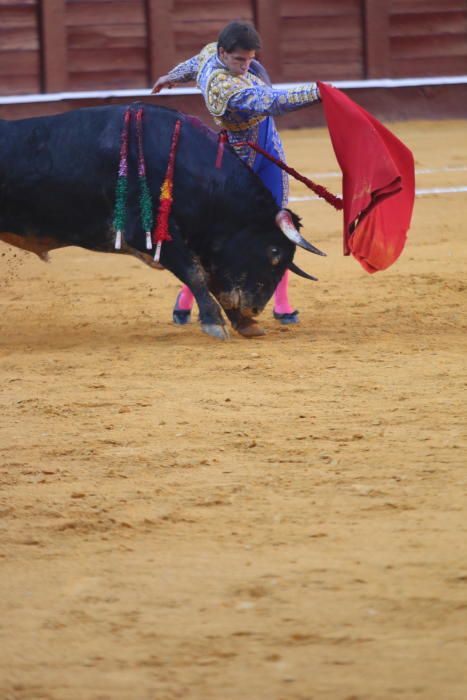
{"type": "Point", "coordinates": [272, 519]}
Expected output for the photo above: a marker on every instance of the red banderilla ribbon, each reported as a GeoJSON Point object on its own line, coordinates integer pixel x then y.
{"type": "Point", "coordinates": [319, 190]}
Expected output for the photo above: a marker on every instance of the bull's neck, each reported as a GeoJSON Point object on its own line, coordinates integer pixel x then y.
{"type": "Point", "coordinates": [3, 129]}
{"type": "Point", "coordinates": [5, 137]}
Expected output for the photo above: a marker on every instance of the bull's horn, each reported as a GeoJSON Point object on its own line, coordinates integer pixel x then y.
{"type": "Point", "coordinates": [294, 268]}
{"type": "Point", "coordinates": [285, 223]}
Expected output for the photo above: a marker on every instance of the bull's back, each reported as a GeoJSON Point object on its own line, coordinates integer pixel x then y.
{"type": "Point", "coordinates": [59, 174]}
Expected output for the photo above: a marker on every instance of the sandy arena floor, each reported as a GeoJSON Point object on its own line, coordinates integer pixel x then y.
{"type": "Point", "coordinates": [276, 519]}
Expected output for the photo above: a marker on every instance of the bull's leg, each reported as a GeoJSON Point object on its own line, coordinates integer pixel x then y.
{"type": "Point", "coordinates": [177, 258]}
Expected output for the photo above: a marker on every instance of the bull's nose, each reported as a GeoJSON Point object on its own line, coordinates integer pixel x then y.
{"type": "Point", "coordinates": [255, 310]}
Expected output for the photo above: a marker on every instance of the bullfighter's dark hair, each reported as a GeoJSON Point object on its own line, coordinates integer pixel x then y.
{"type": "Point", "coordinates": [239, 35]}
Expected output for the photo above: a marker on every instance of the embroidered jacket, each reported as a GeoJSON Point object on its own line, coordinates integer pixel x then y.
{"type": "Point", "coordinates": [240, 103]}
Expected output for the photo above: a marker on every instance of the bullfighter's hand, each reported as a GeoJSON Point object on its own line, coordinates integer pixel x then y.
{"type": "Point", "coordinates": [162, 82]}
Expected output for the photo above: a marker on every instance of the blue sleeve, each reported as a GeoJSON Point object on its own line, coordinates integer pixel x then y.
{"type": "Point", "coordinates": [262, 100]}
{"type": "Point", "coordinates": [186, 71]}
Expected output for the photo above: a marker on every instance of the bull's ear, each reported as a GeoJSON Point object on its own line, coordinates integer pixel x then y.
{"type": "Point", "coordinates": [285, 223]}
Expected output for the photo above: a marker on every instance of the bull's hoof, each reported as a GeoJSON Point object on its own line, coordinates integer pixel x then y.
{"type": "Point", "coordinates": [215, 330]}
{"type": "Point", "coordinates": [252, 330]}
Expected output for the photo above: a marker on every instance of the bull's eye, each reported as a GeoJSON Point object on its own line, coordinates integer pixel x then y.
{"type": "Point", "coordinates": [274, 255]}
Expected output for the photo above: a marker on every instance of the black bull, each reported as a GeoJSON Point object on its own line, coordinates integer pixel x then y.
{"type": "Point", "coordinates": [230, 241]}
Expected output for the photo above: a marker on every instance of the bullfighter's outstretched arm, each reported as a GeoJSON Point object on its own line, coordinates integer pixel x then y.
{"type": "Point", "coordinates": [185, 71]}
{"type": "Point", "coordinates": [182, 73]}
{"type": "Point", "coordinates": [261, 100]}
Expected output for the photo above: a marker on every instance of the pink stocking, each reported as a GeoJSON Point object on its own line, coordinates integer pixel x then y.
{"type": "Point", "coordinates": [185, 299]}
{"type": "Point", "coordinates": [281, 301]}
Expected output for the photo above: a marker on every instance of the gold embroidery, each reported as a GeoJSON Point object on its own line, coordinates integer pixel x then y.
{"type": "Point", "coordinates": [220, 88]}
{"type": "Point", "coordinates": [206, 53]}
{"type": "Point", "coordinates": [238, 126]}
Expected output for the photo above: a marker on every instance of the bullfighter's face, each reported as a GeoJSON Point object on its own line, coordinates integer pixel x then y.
{"type": "Point", "coordinates": [237, 61]}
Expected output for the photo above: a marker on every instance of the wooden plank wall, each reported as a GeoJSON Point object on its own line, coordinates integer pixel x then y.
{"type": "Point", "coordinates": [427, 37]}
{"type": "Point", "coordinates": [106, 44]}
{"type": "Point", "coordinates": [198, 22]}
{"type": "Point", "coordinates": [322, 40]}
{"type": "Point", "coordinates": [74, 45]}
{"type": "Point", "coordinates": [20, 64]}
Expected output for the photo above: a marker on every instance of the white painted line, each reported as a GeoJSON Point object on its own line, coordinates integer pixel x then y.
{"type": "Point", "coordinates": [400, 82]}
{"type": "Point", "coordinates": [448, 169]}
{"type": "Point", "coordinates": [331, 174]}
{"type": "Point", "coordinates": [419, 193]}
{"type": "Point", "coordinates": [306, 199]}
{"type": "Point", "coordinates": [441, 190]}
{"type": "Point", "coordinates": [145, 92]}
{"type": "Point", "coordinates": [420, 171]}
{"type": "Point", "coordinates": [89, 95]}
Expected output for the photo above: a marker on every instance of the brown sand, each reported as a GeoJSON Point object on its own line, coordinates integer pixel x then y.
{"type": "Point", "coordinates": [277, 519]}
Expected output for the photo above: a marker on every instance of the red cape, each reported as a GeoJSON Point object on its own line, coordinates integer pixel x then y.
{"type": "Point", "coordinates": [378, 181]}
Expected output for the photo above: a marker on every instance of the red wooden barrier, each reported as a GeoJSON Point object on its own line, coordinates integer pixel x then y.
{"type": "Point", "coordinates": [73, 45]}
